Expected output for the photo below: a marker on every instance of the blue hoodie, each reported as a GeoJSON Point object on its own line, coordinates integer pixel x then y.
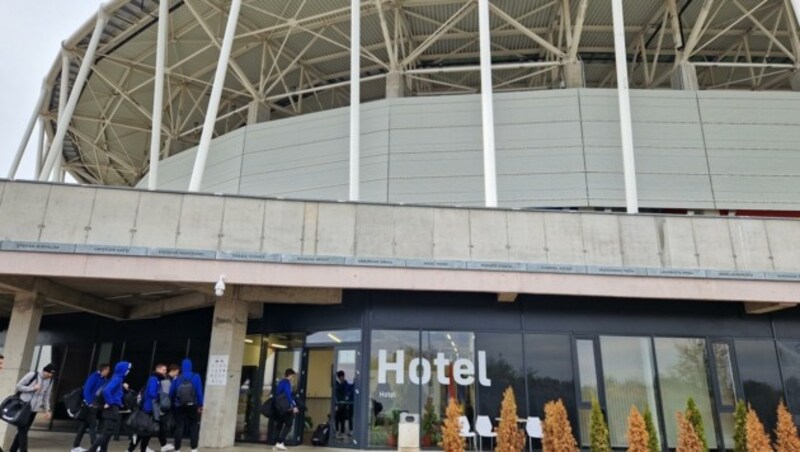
{"type": "Point", "coordinates": [113, 391]}
{"type": "Point", "coordinates": [151, 391]}
{"type": "Point", "coordinates": [187, 374]}
{"type": "Point", "coordinates": [92, 384]}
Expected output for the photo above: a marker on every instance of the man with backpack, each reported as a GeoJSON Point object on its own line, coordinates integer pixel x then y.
{"type": "Point", "coordinates": [110, 399]}
{"type": "Point", "coordinates": [284, 409]}
{"type": "Point", "coordinates": [150, 404]}
{"type": "Point", "coordinates": [94, 382]}
{"type": "Point", "coordinates": [34, 388]}
{"type": "Point", "coordinates": [187, 404]}
{"type": "Point", "coordinates": [167, 420]}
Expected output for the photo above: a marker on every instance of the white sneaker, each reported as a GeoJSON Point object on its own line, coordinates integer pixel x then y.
{"type": "Point", "coordinates": [280, 446]}
{"type": "Point", "coordinates": [77, 449]}
{"type": "Point", "coordinates": [194, 450]}
{"type": "Point", "coordinates": [168, 448]}
{"type": "Point", "coordinates": [150, 450]}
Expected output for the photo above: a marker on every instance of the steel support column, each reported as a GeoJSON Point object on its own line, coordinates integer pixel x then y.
{"type": "Point", "coordinates": [216, 93]}
{"type": "Point", "coordinates": [487, 106]}
{"type": "Point", "coordinates": [355, 100]}
{"type": "Point", "coordinates": [39, 149]}
{"type": "Point", "coordinates": [64, 119]}
{"type": "Point", "coordinates": [12, 171]}
{"type": "Point", "coordinates": [158, 94]}
{"type": "Point", "coordinates": [63, 96]}
{"type": "Point", "coordinates": [628, 161]}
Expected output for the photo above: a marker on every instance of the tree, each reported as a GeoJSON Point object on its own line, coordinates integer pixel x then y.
{"type": "Point", "coordinates": [786, 432]}
{"type": "Point", "coordinates": [653, 442]}
{"type": "Point", "coordinates": [557, 430]}
{"type": "Point", "coordinates": [600, 441]}
{"type": "Point", "coordinates": [509, 437]}
{"type": "Point", "coordinates": [688, 440]}
{"type": "Point", "coordinates": [740, 427]}
{"type": "Point", "coordinates": [757, 438]}
{"type": "Point", "coordinates": [452, 441]}
{"type": "Point", "coordinates": [693, 415]}
{"type": "Point", "coordinates": [637, 432]}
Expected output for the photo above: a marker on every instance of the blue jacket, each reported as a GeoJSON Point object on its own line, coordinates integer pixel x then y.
{"type": "Point", "coordinates": [92, 384]}
{"type": "Point", "coordinates": [151, 390]}
{"type": "Point", "coordinates": [285, 387]}
{"type": "Point", "coordinates": [113, 391]}
{"type": "Point", "coordinates": [187, 374]}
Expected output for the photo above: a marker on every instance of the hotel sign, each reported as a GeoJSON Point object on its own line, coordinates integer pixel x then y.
{"type": "Point", "coordinates": [421, 370]}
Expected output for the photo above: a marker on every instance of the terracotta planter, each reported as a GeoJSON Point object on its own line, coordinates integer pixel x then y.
{"type": "Point", "coordinates": [391, 441]}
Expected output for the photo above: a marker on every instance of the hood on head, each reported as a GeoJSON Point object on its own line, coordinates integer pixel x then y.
{"type": "Point", "coordinates": [122, 368]}
{"type": "Point", "coordinates": [186, 366]}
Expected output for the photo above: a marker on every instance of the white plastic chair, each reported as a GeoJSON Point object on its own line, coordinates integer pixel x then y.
{"type": "Point", "coordinates": [533, 427]}
{"type": "Point", "coordinates": [484, 429]}
{"type": "Point", "coordinates": [465, 432]}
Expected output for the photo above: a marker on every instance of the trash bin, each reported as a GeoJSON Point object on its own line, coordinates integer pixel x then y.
{"type": "Point", "coordinates": [408, 433]}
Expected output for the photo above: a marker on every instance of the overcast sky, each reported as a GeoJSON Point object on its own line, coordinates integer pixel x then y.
{"type": "Point", "coordinates": [31, 32]}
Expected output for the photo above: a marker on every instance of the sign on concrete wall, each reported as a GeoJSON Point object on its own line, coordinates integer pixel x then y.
{"type": "Point", "coordinates": [217, 370]}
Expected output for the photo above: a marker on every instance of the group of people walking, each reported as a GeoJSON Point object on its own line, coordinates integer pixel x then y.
{"type": "Point", "coordinates": [172, 398]}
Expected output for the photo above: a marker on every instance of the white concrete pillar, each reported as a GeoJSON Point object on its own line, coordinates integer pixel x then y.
{"type": "Point", "coordinates": [573, 75]}
{"type": "Point", "coordinates": [158, 95]}
{"type": "Point", "coordinates": [395, 85]}
{"type": "Point", "coordinates": [355, 100]}
{"type": "Point", "coordinates": [26, 315]}
{"type": "Point", "coordinates": [685, 78]}
{"type": "Point", "coordinates": [487, 106]}
{"type": "Point", "coordinates": [228, 330]}
{"type": "Point", "coordinates": [199, 169]}
{"type": "Point", "coordinates": [258, 112]}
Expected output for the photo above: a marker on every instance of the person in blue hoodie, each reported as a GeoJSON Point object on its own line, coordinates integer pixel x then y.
{"type": "Point", "coordinates": [286, 408]}
{"type": "Point", "coordinates": [111, 404]}
{"type": "Point", "coordinates": [186, 393]}
{"type": "Point", "coordinates": [150, 404]}
{"type": "Point", "coordinates": [93, 383]}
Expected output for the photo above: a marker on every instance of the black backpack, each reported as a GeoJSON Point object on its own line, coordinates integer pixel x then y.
{"type": "Point", "coordinates": [321, 434]}
{"type": "Point", "coordinates": [185, 394]}
{"type": "Point", "coordinates": [73, 402]}
{"type": "Point", "coordinates": [268, 408]}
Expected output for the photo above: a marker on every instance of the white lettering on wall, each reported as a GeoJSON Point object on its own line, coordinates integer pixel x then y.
{"type": "Point", "coordinates": [384, 366]}
{"type": "Point", "coordinates": [420, 371]}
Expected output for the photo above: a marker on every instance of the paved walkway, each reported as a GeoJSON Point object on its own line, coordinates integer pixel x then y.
{"type": "Point", "coordinates": [42, 441]}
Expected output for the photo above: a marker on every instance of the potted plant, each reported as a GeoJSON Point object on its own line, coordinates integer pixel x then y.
{"type": "Point", "coordinates": [430, 425]}
{"type": "Point", "coordinates": [378, 436]}
{"type": "Point", "coordinates": [391, 440]}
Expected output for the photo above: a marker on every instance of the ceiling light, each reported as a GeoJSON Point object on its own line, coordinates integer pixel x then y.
{"type": "Point", "coordinates": [334, 338]}
{"type": "Point", "coordinates": [280, 346]}
{"type": "Point", "coordinates": [248, 341]}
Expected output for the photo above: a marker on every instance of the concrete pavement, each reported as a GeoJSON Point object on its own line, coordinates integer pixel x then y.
{"type": "Point", "coordinates": [43, 441]}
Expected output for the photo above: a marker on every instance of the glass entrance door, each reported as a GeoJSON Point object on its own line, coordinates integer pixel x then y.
{"type": "Point", "coordinates": [344, 403]}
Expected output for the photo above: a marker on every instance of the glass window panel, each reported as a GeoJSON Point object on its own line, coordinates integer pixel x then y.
{"type": "Point", "coordinates": [248, 412]}
{"type": "Point", "coordinates": [683, 373]}
{"type": "Point", "coordinates": [139, 354]}
{"type": "Point", "coordinates": [453, 346]}
{"type": "Point", "coordinates": [725, 379]}
{"type": "Point", "coordinates": [758, 370]}
{"type": "Point", "coordinates": [629, 381]}
{"type": "Point", "coordinates": [104, 354]}
{"type": "Point", "coordinates": [334, 337]}
{"type": "Point", "coordinates": [587, 378]}
{"type": "Point", "coordinates": [170, 351]}
{"type": "Point", "coordinates": [789, 353]}
{"type": "Point", "coordinates": [549, 372]}
{"type": "Point", "coordinates": [389, 398]}
{"type": "Point", "coordinates": [505, 368]}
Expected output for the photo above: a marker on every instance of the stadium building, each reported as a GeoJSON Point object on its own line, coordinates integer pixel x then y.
{"type": "Point", "coordinates": [443, 198]}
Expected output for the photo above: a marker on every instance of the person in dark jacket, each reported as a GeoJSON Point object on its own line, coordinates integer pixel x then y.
{"type": "Point", "coordinates": [112, 402]}
{"type": "Point", "coordinates": [286, 407]}
{"type": "Point", "coordinates": [344, 405]}
{"type": "Point", "coordinates": [186, 393]}
{"type": "Point", "coordinates": [93, 383]}
{"type": "Point", "coordinates": [150, 404]}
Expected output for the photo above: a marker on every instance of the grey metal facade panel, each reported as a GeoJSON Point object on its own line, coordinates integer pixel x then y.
{"type": "Point", "coordinates": [557, 148]}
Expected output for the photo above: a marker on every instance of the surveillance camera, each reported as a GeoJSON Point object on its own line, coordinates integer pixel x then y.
{"type": "Point", "coordinates": [219, 287]}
